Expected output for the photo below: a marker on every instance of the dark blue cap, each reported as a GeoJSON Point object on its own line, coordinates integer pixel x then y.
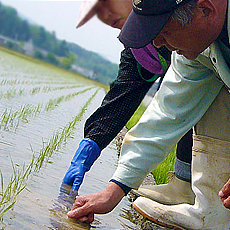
{"type": "Point", "coordinates": [146, 20]}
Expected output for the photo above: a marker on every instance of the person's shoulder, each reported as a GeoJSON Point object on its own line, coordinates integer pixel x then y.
{"type": "Point", "coordinates": [126, 53]}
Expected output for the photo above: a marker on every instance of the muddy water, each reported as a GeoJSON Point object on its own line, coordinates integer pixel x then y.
{"type": "Point", "coordinates": [41, 205]}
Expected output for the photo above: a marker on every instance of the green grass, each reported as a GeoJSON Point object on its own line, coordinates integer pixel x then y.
{"type": "Point", "coordinates": [136, 116]}
{"type": "Point", "coordinates": [161, 172]}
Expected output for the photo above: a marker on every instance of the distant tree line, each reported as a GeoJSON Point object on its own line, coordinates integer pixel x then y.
{"type": "Point", "coordinates": [12, 26]}
{"type": "Point", "coordinates": [104, 69]}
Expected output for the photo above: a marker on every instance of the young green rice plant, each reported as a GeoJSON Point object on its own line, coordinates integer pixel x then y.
{"type": "Point", "coordinates": [59, 138]}
{"type": "Point", "coordinates": [26, 82]}
{"type": "Point", "coordinates": [25, 112]}
{"type": "Point", "coordinates": [35, 90]}
{"type": "Point", "coordinates": [5, 119]}
{"type": "Point", "coordinates": [12, 93]}
{"type": "Point", "coordinates": [17, 183]}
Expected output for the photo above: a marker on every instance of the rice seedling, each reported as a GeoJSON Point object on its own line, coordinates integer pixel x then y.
{"type": "Point", "coordinates": [28, 82]}
{"type": "Point", "coordinates": [17, 183]}
{"type": "Point", "coordinates": [10, 120]}
{"type": "Point", "coordinates": [35, 90]}
{"type": "Point", "coordinates": [18, 92]}
{"type": "Point", "coordinates": [47, 89]}
{"type": "Point", "coordinates": [7, 119]}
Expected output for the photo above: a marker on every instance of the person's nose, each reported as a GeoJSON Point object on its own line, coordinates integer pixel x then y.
{"type": "Point", "coordinates": [159, 41]}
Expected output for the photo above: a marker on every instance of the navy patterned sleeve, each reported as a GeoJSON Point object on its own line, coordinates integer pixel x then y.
{"type": "Point", "coordinates": [124, 97]}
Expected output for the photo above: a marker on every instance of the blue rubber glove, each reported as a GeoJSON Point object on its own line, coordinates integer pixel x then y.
{"type": "Point", "coordinates": [87, 152]}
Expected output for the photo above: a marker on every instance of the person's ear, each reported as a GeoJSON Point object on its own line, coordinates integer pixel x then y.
{"type": "Point", "coordinates": [207, 9]}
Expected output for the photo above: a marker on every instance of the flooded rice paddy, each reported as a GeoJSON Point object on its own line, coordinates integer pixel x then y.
{"type": "Point", "coordinates": [42, 112]}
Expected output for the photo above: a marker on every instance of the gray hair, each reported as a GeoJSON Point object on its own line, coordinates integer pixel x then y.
{"type": "Point", "coordinates": [184, 13]}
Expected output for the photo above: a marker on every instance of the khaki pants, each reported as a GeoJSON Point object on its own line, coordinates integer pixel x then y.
{"type": "Point", "coordinates": [216, 121]}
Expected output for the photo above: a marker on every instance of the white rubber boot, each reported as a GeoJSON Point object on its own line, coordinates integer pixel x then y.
{"type": "Point", "coordinates": [210, 171]}
{"type": "Point", "coordinates": [176, 191]}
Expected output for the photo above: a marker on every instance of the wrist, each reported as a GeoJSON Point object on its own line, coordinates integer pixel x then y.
{"type": "Point", "coordinates": [115, 192]}
{"type": "Point", "coordinates": [125, 188]}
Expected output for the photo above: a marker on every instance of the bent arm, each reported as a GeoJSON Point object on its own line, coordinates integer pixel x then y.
{"type": "Point", "coordinates": [124, 97]}
{"type": "Point", "coordinates": [187, 91]}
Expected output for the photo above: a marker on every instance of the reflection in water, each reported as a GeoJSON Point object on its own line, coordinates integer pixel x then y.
{"type": "Point", "coordinates": [61, 206]}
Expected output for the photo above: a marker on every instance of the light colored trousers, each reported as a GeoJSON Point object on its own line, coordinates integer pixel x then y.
{"type": "Point", "coordinates": [216, 121]}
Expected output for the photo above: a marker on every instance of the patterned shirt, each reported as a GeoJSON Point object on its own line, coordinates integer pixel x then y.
{"type": "Point", "coordinates": [124, 97]}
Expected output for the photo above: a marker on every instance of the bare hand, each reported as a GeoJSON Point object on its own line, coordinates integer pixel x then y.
{"type": "Point", "coordinates": [225, 195]}
{"type": "Point", "coordinates": [103, 202]}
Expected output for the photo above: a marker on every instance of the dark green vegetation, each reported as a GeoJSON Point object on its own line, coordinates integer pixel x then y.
{"type": "Point", "coordinates": [50, 49]}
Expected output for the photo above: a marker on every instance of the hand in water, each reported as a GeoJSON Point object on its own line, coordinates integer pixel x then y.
{"type": "Point", "coordinates": [61, 205]}
{"type": "Point", "coordinates": [103, 202]}
{"type": "Point", "coordinates": [87, 152]}
{"type": "Point", "coordinates": [225, 195]}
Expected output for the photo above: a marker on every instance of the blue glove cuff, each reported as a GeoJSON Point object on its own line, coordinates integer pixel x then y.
{"type": "Point", "coordinates": [87, 152]}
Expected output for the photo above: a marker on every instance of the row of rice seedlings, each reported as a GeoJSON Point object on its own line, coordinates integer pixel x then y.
{"type": "Point", "coordinates": [14, 82]}
{"type": "Point", "coordinates": [59, 138]}
{"type": "Point", "coordinates": [47, 89]}
{"type": "Point", "coordinates": [19, 92]}
{"type": "Point", "coordinates": [29, 82]}
{"type": "Point", "coordinates": [10, 120]}
{"type": "Point", "coordinates": [17, 183]}
{"type": "Point", "coordinates": [54, 102]}
{"type": "Point", "coordinates": [12, 93]}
